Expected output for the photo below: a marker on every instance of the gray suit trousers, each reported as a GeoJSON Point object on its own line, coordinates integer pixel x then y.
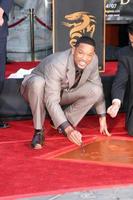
{"type": "Point", "coordinates": [79, 100]}
{"type": "Point", "coordinates": [32, 89]}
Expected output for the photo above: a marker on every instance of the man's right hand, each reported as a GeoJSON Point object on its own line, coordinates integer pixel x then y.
{"type": "Point", "coordinates": [1, 21]}
{"type": "Point", "coordinates": [113, 109]}
{"type": "Point", "coordinates": [74, 135]}
{"type": "Point", "coordinates": [1, 16]}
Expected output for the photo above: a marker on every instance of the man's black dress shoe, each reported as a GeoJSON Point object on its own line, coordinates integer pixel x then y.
{"type": "Point", "coordinates": [4, 124]}
{"type": "Point", "coordinates": [38, 139]}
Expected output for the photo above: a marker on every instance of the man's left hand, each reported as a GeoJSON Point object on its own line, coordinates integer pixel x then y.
{"type": "Point", "coordinates": [103, 126]}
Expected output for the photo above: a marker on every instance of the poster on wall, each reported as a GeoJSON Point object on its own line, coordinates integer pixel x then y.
{"type": "Point", "coordinates": [119, 11]}
{"type": "Point", "coordinates": [72, 19]}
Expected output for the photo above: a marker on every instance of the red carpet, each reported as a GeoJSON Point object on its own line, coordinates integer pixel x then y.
{"type": "Point", "coordinates": [27, 172]}
{"type": "Point", "coordinates": [24, 171]}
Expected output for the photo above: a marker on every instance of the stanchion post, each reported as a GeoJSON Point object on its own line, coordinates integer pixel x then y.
{"type": "Point", "coordinates": [32, 15]}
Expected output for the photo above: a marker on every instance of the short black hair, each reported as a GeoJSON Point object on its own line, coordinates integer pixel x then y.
{"type": "Point", "coordinates": [86, 40]}
{"type": "Point", "coordinates": [130, 28]}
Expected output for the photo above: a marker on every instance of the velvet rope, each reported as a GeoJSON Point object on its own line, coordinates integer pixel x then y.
{"type": "Point", "coordinates": [38, 20]}
{"type": "Point", "coordinates": [16, 23]}
{"type": "Point", "coordinates": [43, 24]}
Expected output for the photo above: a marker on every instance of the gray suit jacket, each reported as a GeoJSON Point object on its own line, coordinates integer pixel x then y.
{"type": "Point", "coordinates": [58, 70]}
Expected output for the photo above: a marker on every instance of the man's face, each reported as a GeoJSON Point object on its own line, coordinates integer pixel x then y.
{"type": "Point", "coordinates": [83, 55]}
{"type": "Point", "coordinates": [131, 39]}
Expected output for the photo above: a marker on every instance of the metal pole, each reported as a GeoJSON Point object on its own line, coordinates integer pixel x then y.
{"type": "Point", "coordinates": [31, 11]}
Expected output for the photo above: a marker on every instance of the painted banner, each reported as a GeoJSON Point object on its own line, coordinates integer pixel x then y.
{"type": "Point", "coordinates": [72, 19]}
{"type": "Point", "coordinates": [119, 11]}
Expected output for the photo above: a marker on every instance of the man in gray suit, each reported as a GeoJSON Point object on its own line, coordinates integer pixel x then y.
{"type": "Point", "coordinates": [53, 84]}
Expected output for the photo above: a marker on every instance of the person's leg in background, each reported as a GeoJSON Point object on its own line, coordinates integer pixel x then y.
{"type": "Point", "coordinates": [3, 42]}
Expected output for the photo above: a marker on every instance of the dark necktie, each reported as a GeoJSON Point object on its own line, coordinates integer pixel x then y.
{"type": "Point", "coordinates": [77, 78]}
